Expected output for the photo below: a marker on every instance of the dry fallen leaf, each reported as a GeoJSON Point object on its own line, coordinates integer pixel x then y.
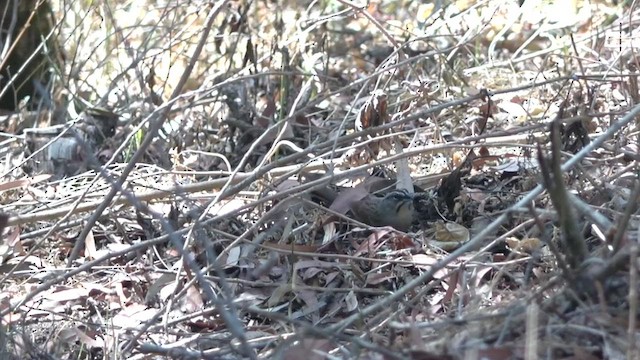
{"type": "Point", "coordinates": [192, 300]}
{"type": "Point", "coordinates": [90, 251]}
{"type": "Point", "coordinates": [278, 294]}
{"type": "Point", "coordinates": [374, 112]}
{"type": "Point", "coordinates": [379, 277]}
{"type": "Point", "coordinates": [450, 231]}
{"type": "Point", "coordinates": [524, 246]}
{"type": "Point", "coordinates": [352, 301]}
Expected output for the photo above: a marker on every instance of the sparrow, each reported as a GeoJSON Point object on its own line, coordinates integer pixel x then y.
{"type": "Point", "coordinates": [395, 209]}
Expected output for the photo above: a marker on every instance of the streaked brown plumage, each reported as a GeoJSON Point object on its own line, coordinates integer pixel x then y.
{"type": "Point", "coordinates": [395, 209]}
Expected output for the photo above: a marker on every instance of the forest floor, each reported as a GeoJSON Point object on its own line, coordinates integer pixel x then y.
{"type": "Point", "coordinates": [220, 151]}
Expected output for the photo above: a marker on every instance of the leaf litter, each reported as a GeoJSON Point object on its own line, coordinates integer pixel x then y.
{"type": "Point", "coordinates": [232, 236]}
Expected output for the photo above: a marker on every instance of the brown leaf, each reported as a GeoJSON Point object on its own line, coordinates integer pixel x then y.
{"type": "Point", "coordinates": [480, 273]}
{"type": "Point", "coordinates": [9, 185]}
{"type": "Point", "coordinates": [378, 278]}
{"type": "Point", "coordinates": [192, 300]}
{"type": "Point", "coordinates": [372, 243]}
{"type": "Point", "coordinates": [268, 106]}
{"type": "Point", "coordinates": [374, 112]}
{"type": "Point", "coordinates": [526, 245]}
{"type": "Point", "coordinates": [278, 294]}
{"type": "Point", "coordinates": [452, 285]}
{"type": "Point", "coordinates": [310, 273]}
{"type": "Point", "coordinates": [401, 242]}
{"type": "Point", "coordinates": [450, 231]}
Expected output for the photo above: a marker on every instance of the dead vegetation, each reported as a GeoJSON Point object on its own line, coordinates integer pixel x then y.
{"type": "Point", "coordinates": [206, 194]}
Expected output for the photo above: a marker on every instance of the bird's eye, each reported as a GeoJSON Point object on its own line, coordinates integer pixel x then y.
{"type": "Point", "coordinates": [400, 195]}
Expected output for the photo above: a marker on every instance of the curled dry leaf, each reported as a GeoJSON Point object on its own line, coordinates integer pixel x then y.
{"type": "Point", "coordinates": [524, 246]}
{"type": "Point", "coordinates": [448, 236]}
{"type": "Point", "coordinates": [374, 112]}
{"type": "Point", "coordinates": [378, 278]}
{"type": "Point", "coordinates": [352, 301]}
{"type": "Point", "coordinates": [233, 257]}
{"type": "Point", "coordinates": [192, 301]}
{"type": "Point", "coordinates": [310, 273]}
{"type": "Point", "coordinates": [450, 284]}
{"type": "Point", "coordinates": [373, 242]}
{"type": "Point", "coordinates": [329, 233]}
{"type": "Point", "coordinates": [157, 286]}
{"type": "Point", "coordinates": [278, 294]}
{"type": "Point", "coordinates": [90, 250]}
{"type": "Point", "coordinates": [450, 231]}
{"type": "Point", "coordinates": [328, 278]}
